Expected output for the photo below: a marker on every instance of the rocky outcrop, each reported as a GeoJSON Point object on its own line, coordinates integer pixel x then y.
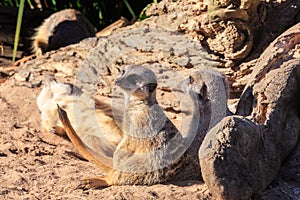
{"type": "Point", "coordinates": [242, 154]}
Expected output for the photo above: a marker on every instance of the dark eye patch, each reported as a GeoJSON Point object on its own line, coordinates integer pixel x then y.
{"type": "Point", "coordinates": [191, 79]}
{"type": "Point", "coordinates": [203, 93]}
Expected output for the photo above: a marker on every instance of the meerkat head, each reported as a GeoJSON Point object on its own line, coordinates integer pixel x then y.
{"type": "Point", "coordinates": [55, 88]}
{"type": "Point", "coordinates": [194, 86]}
{"type": "Point", "coordinates": [137, 81]}
{"type": "Point", "coordinates": [197, 85]}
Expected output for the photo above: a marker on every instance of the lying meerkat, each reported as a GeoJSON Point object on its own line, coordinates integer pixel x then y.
{"type": "Point", "coordinates": [100, 133]}
{"type": "Point", "coordinates": [151, 150]}
{"type": "Point", "coordinates": [53, 90]}
{"type": "Point", "coordinates": [61, 29]}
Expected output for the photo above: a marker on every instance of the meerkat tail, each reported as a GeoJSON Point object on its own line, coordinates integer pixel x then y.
{"type": "Point", "coordinates": [100, 160]}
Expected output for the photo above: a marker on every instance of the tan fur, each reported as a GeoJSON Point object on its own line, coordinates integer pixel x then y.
{"type": "Point", "coordinates": [104, 162]}
{"type": "Point", "coordinates": [61, 29]}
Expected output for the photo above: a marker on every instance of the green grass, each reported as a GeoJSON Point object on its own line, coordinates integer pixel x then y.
{"type": "Point", "coordinates": [18, 29]}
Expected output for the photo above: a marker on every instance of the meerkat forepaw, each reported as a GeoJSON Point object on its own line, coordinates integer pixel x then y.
{"type": "Point", "coordinates": [52, 130]}
{"type": "Point", "coordinates": [93, 182]}
{"type": "Point", "coordinates": [60, 131]}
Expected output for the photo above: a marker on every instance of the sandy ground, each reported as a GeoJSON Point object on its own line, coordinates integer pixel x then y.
{"type": "Point", "coordinates": [39, 165]}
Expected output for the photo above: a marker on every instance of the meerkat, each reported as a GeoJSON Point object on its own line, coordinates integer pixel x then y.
{"type": "Point", "coordinates": [61, 29]}
{"type": "Point", "coordinates": [211, 87]}
{"type": "Point", "coordinates": [204, 96]}
{"type": "Point", "coordinates": [217, 92]}
{"type": "Point", "coordinates": [151, 149]}
{"type": "Point", "coordinates": [100, 133]}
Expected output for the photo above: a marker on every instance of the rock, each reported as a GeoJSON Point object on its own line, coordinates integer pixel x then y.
{"type": "Point", "coordinates": [95, 63]}
{"type": "Point", "coordinates": [242, 155]}
{"type": "Point", "coordinates": [226, 158]}
{"type": "Point", "coordinates": [226, 38]}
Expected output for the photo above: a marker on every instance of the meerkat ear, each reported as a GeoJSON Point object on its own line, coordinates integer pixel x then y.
{"type": "Point", "coordinates": [191, 79]}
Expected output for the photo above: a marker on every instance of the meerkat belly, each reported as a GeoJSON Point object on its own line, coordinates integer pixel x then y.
{"type": "Point", "coordinates": [151, 151]}
{"type": "Point", "coordinates": [155, 162]}
{"type": "Point", "coordinates": [140, 155]}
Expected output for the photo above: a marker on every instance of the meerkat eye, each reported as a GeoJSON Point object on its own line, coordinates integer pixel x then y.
{"type": "Point", "coordinates": [122, 72]}
{"type": "Point", "coordinates": [191, 79]}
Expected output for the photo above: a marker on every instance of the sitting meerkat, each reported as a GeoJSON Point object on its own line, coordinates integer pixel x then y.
{"type": "Point", "coordinates": [212, 87]}
{"type": "Point", "coordinates": [204, 95]}
{"type": "Point", "coordinates": [61, 29]}
{"type": "Point", "coordinates": [151, 149]}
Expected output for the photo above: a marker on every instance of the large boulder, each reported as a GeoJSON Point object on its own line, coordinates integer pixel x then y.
{"type": "Point", "coordinates": [242, 154]}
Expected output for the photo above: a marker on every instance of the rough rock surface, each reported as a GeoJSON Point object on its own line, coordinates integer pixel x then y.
{"type": "Point", "coordinates": [241, 156]}
{"type": "Point", "coordinates": [170, 55]}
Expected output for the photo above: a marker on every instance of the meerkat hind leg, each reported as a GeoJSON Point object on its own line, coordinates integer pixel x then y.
{"type": "Point", "coordinates": [94, 182]}
{"type": "Point", "coordinates": [101, 161]}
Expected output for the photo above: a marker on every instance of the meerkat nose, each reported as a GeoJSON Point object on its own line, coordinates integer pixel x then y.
{"type": "Point", "coordinates": [117, 81]}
